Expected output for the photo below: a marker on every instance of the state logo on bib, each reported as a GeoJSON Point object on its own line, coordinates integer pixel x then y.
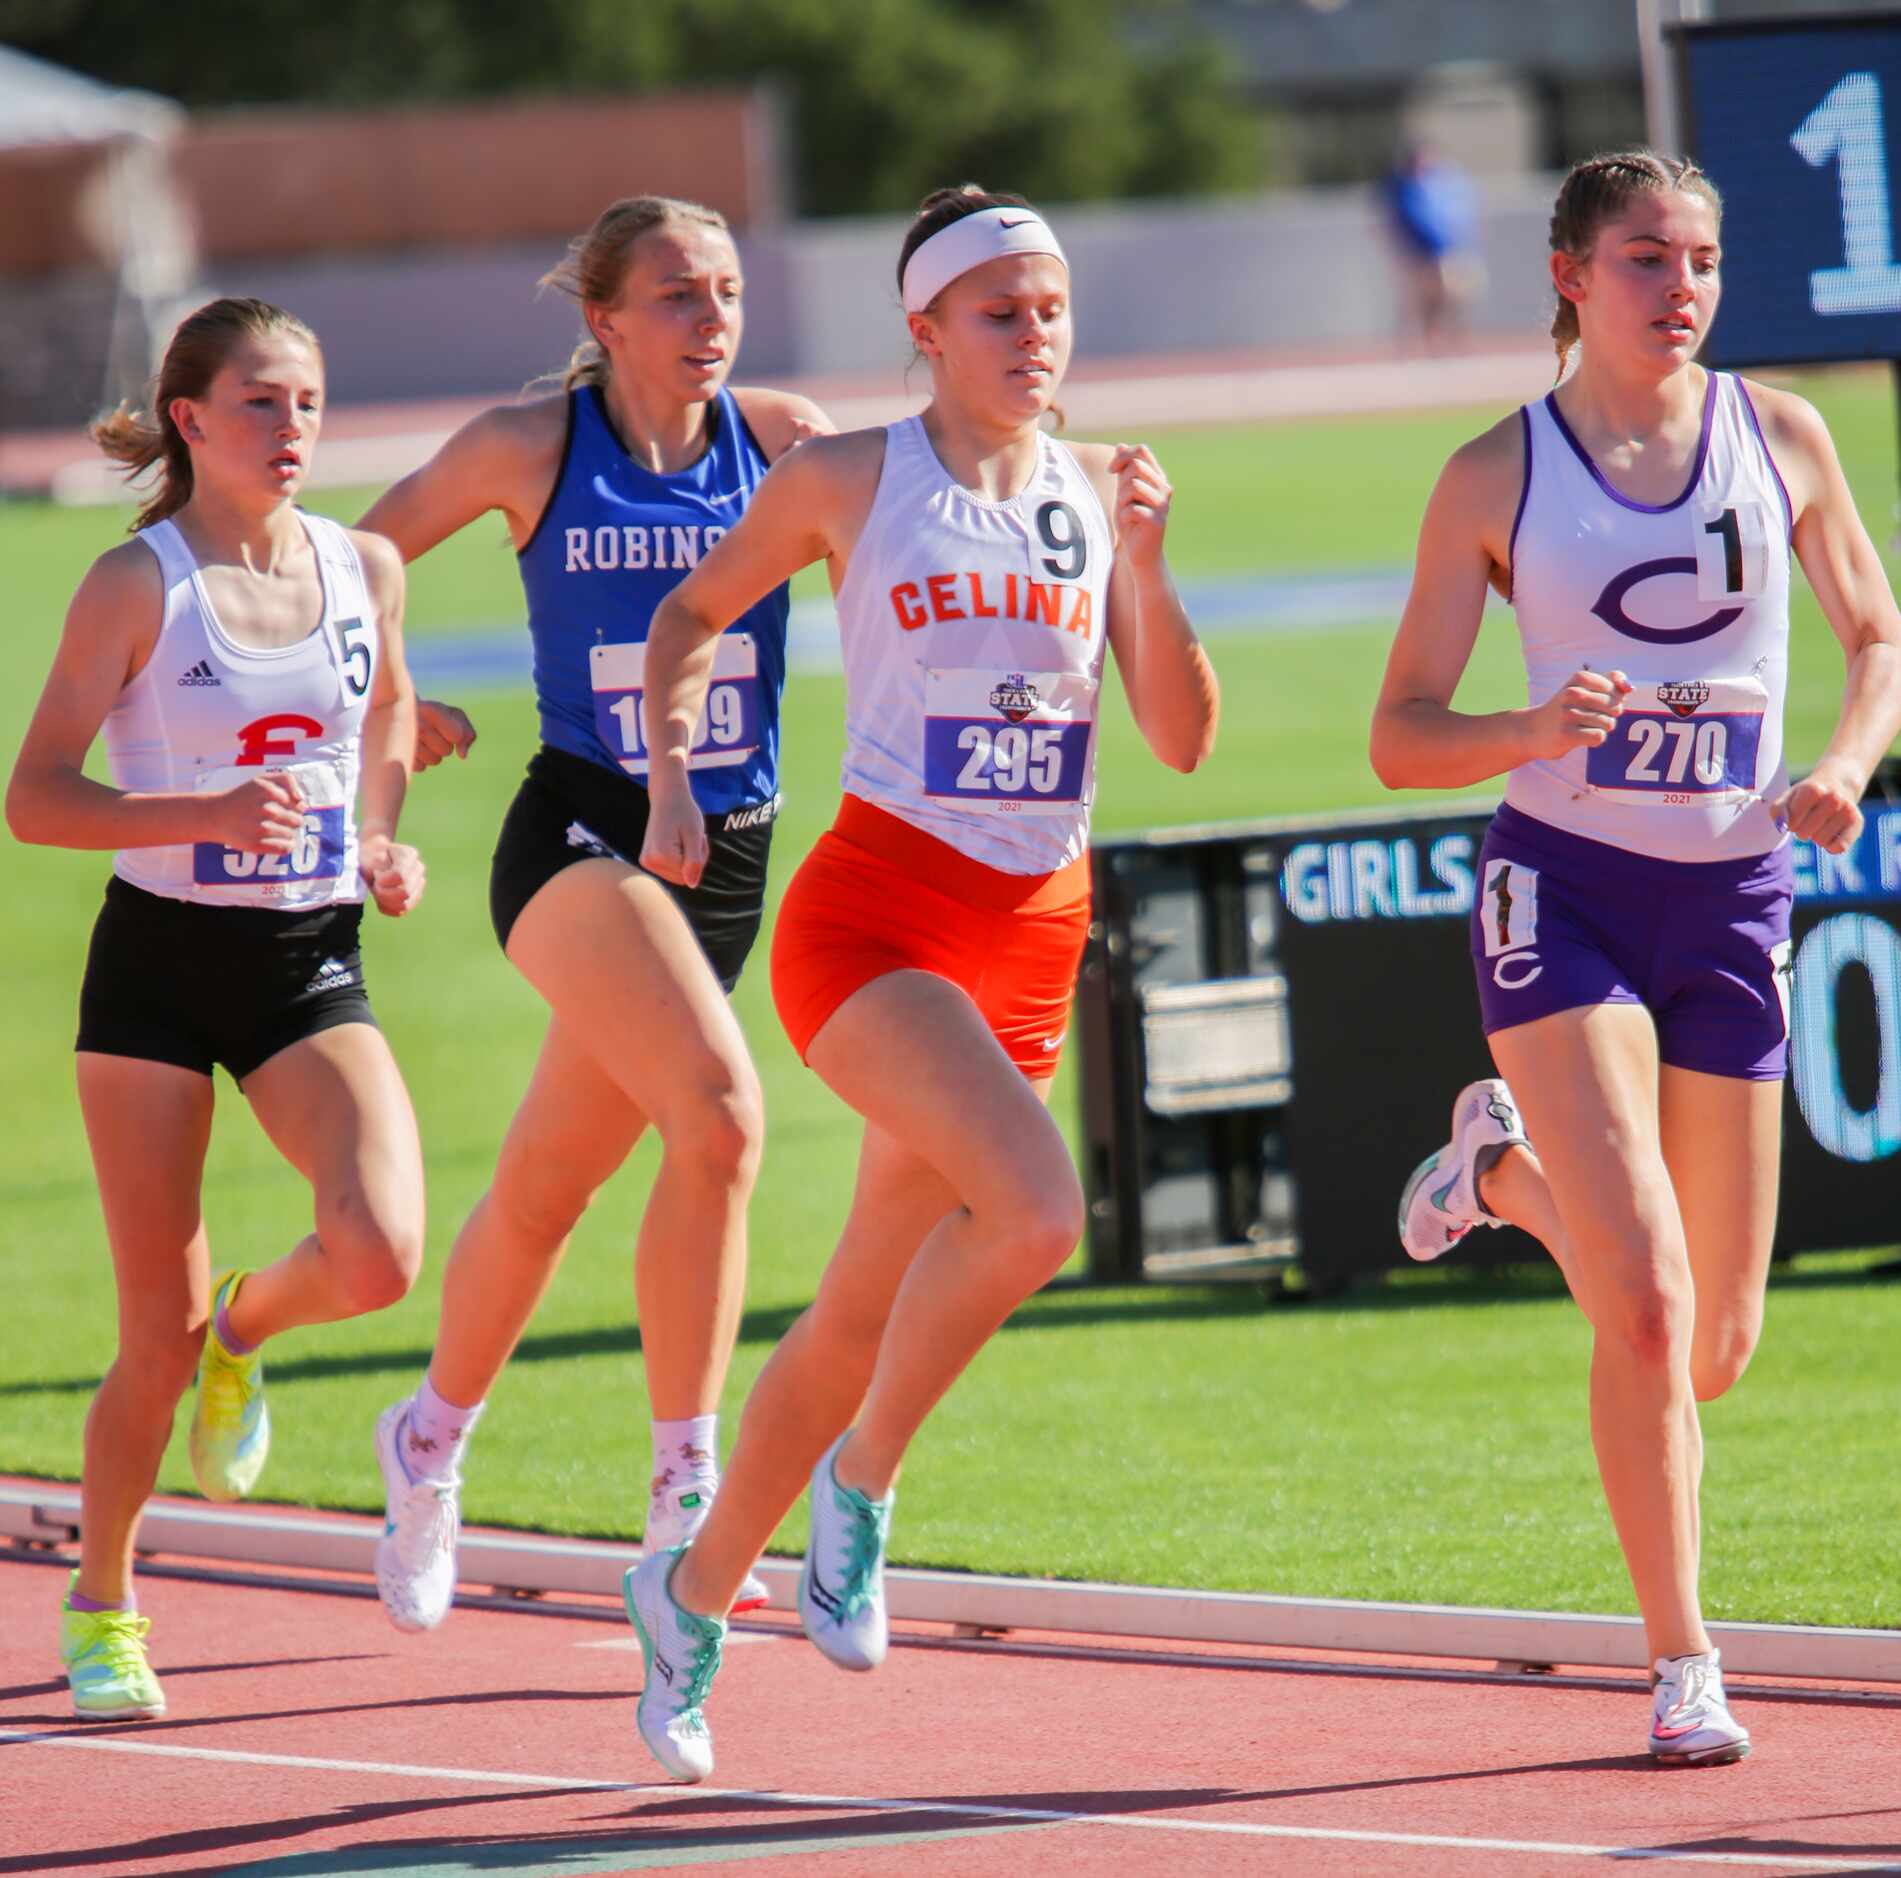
{"type": "Point", "coordinates": [1012, 743]}
{"type": "Point", "coordinates": [1680, 743]}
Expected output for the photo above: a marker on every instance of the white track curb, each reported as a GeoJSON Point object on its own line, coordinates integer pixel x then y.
{"type": "Point", "coordinates": [970, 1601]}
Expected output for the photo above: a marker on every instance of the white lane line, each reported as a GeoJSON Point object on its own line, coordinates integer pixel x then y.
{"type": "Point", "coordinates": [480, 1777]}
{"type": "Point", "coordinates": [834, 1802]}
{"type": "Point", "coordinates": [733, 1636]}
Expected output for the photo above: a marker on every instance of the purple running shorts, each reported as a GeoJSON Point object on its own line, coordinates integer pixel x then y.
{"type": "Point", "coordinates": [1561, 921]}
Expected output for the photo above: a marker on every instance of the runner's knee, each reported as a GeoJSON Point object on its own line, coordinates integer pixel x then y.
{"type": "Point", "coordinates": [157, 1365]}
{"type": "Point", "coordinates": [718, 1127]}
{"type": "Point", "coordinates": [1041, 1227]}
{"type": "Point", "coordinates": [375, 1249]}
{"type": "Point", "coordinates": [538, 1202]}
{"type": "Point", "coordinates": [1649, 1320]}
{"type": "Point", "coordinates": [1717, 1361]}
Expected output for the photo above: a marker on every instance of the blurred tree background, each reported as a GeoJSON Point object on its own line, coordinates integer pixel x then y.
{"type": "Point", "coordinates": [1070, 99]}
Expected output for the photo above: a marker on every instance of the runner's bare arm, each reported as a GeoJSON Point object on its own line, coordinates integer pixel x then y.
{"type": "Point", "coordinates": [505, 459]}
{"type": "Point", "coordinates": [1172, 690]}
{"type": "Point", "coordinates": [111, 628]}
{"type": "Point", "coordinates": [393, 869]}
{"type": "Point", "coordinates": [1852, 586]}
{"type": "Point", "coordinates": [1419, 741]}
{"type": "Point", "coordinates": [809, 507]}
{"type": "Point", "coordinates": [781, 419]}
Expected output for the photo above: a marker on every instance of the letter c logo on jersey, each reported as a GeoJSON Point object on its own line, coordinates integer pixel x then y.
{"type": "Point", "coordinates": [1610, 605]}
{"type": "Point", "coordinates": [258, 741]}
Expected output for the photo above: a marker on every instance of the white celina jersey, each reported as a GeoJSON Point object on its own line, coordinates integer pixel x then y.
{"type": "Point", "coordinates": [1690, 599]}
{"type": "Point", "coordinates": [973, 635]}
{"type": "Point", "coordinates": [207, 713]}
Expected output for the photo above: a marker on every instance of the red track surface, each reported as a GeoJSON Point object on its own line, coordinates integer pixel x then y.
{"type": "Point", "coordinates": [505, 1743]}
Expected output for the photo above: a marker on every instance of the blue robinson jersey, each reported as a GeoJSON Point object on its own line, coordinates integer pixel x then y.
{"type": "Point", "coordinates": [614, 540]}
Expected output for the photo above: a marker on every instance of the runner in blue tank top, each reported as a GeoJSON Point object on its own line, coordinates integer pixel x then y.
{"type": "Point", "coordinates": [614, 541]}
{"type": "Point", "coordinates": [1631, 936]}
{"type": "Point", "coordinates": [612, 490]}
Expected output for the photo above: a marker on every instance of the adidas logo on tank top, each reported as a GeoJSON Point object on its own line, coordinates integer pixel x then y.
{"type": "Point", "coordinates": [246, 712]}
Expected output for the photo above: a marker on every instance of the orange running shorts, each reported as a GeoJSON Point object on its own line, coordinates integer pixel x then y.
{"type": "Point", "coordinates": [876, 895]}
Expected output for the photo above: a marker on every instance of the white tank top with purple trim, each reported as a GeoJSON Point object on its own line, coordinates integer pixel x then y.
{"type": "Point", "coordinates": [1690, 600]}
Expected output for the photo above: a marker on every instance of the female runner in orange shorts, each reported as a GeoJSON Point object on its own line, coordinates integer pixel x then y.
{"type": "Point", "coordinates": [926, 951]}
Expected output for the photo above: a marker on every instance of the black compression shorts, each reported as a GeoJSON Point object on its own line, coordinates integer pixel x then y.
{"type": "Point", "coordinates": [176, 981]}
{"type": "Point", "coordinates": [568, 809]}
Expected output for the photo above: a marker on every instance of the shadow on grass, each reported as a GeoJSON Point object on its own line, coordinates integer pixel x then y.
{"type": "Point", "coordinates": [1065, 1305]}
{"type": "Point", "coordinates": [1075, 1305]}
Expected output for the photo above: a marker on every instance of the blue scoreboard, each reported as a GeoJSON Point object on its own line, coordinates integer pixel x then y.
{"type": "Point", "coordinates": [1798, 123]}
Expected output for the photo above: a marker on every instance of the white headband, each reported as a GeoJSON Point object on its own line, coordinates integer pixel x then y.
{"type": "Point", "coordinates": [970, 242]}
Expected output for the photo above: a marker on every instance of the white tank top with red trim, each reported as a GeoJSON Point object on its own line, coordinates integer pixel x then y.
{"type": "Point", "coordinates": [1690, 599]}
{"type": "Point", "coordinates": [973, 635]}
{"type": "Point", "coordinates": [206, 713]}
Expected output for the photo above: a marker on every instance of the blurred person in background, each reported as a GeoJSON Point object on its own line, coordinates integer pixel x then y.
{"type": "Point", "coordinates": [1631, 930]}
{"type": "Point", "coordinates": [612, 488]}
{"type": "Point", "coordinates": [245, 662]}
{"type": "Point", "coordinates": [925, 954]}
{"type": "Point", "coordinates": [1430, 218]}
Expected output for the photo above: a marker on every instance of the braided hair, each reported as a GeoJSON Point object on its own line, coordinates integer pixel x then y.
{"type": "Point", "coordinates": [1597, 191]}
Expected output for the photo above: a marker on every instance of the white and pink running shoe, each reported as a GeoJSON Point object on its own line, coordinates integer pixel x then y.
{"type": "Point", "coordinates": [1690, 1722]}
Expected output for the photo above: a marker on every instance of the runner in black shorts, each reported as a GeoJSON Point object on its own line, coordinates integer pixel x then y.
{"type": "Point", "coordinates": [279, 977]}
{"type": "Point", "coordinates": [245, 663]}
{"type": "Point", "coordinates": [569, 809]}
{"type": "Point", "coordinates": [612, 490]}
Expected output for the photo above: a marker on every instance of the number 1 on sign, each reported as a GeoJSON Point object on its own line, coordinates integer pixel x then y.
{"type": "Point", "coordinates": [1847, 126]}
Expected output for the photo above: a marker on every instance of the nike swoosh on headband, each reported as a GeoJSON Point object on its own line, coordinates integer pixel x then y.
{"type": "Point", "coordinates": [967, 243]}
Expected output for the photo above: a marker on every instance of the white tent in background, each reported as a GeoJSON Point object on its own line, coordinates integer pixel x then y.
{"type": "Point", "coordinates": [96, 245]}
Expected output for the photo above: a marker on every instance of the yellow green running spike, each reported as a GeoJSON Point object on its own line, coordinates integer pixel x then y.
{"type": "Point", "coordinates": [230, 1427]}
{"type": "Point", "coordinates": [104, 1654]}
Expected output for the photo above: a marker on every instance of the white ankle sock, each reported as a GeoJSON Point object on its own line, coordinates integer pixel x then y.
{"type": "Point", "coordinates": [685, 1451]}
{"type": "Point", "coordinates": [434, 1434]}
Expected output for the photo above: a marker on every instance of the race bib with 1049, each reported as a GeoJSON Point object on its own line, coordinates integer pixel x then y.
{"type": "Point", "coordinates": [1683, 742]}
{"type": "Point", "coordinates": [729, 728]}
{"type": "Point", "coordinates": [315, 854]}
{"type": "Point", "coordinates": [1016, 742]}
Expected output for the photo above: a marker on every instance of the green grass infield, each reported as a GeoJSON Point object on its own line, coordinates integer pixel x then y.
{"type": "Point", "coordinates": [1423, 1440]}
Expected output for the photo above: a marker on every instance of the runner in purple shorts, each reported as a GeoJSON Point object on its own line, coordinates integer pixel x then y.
{"type": "Point", "coordinates": [1631, 925]}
